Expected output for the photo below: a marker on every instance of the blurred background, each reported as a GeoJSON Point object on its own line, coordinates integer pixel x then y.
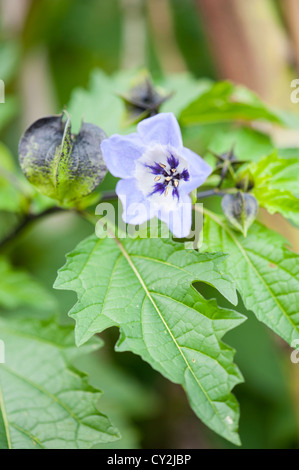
{"type": "Point", "coordinates": [50, 47]}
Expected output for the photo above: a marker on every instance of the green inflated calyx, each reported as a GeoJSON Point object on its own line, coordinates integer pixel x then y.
{"type": "Point", "coordinates": [63, 166]}
{"type": "Point", "coordinates": [240, 210]}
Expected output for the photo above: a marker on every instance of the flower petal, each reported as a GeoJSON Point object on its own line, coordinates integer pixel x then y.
{"type": "Point", "coordinates": [179, 221]}
{"type": "Point", "coordinates": [199, 170]}
{"type": "Point", "coordinates": [162, 129]}
{"type": "Point", "coordinates": [136, 208]}
{"type": "Point", "coordinates": [120, 153]}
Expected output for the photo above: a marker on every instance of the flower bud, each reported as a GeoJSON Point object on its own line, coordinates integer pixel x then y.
{"type": "Point", "coordinates": [240, 210]}
{"type": "Point", "coordinates": [61, 165]}
{"type": "Point", "coordinates": [245, 182]}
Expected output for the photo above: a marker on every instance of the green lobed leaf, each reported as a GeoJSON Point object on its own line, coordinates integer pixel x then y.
{"type": "Point", "coordinates": [278, 172]}
{"type": "Point", "coordinates": [266, 273]}
{"type": "Point", "coordinates": [276, 201]}
{"type": "Point", "coordinates": [44, 401]}
{"type": "Point", "coordinates": [144, 287]}
{"type": "Point", "coordinates": [276, 185]}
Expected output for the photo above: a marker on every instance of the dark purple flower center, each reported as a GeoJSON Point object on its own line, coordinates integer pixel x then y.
{"type": "Point", "coordinates": [167, 179]}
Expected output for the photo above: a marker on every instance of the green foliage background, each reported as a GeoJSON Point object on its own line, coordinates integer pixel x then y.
{"type": "Point", "coordinates": [81, 42]}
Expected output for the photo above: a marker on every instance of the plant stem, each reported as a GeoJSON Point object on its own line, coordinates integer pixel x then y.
{"type": "Point", "coordinates": [107, 196]}
{"type": "Point", "coordinates": [28, 219]}
{"type": "Point", "coordinates": [209, 193]}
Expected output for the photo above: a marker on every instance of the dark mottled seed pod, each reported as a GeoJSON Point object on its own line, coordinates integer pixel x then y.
{"type": "Point", "coordinates": [61, 165]}
{"type": "Point", "coordinates": [240, 210]}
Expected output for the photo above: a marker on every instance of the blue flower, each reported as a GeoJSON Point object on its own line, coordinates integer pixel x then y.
{"type": "Point", "coordinates": [157, 173]}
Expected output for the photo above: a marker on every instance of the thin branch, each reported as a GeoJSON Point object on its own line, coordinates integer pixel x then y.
{"type": "Point", "coordinates": [28, 219]}
{"type": "Point", "coordinates": [209, 193]}
{"type": "Point", "coordinates": [110, 195]}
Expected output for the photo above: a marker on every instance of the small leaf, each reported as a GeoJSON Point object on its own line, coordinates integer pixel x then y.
{"type": "Point", "coordinates": [62, 166]}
